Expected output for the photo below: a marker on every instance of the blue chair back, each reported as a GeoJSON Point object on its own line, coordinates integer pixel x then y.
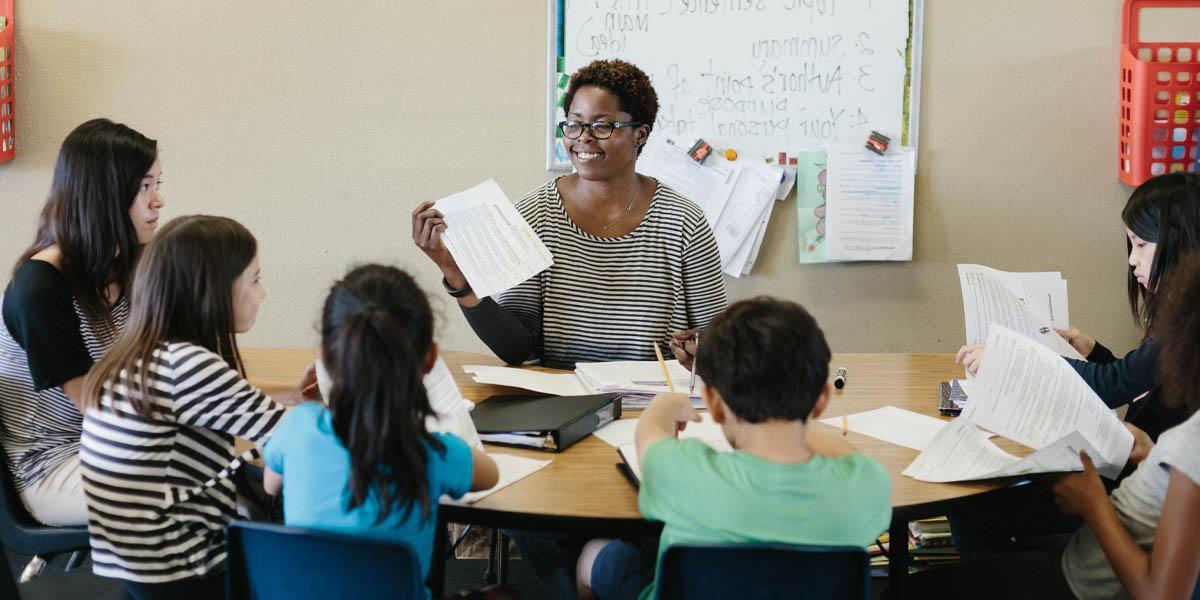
{"type": "Point", "coordinates": [269, 561]}
{"type": "Point", "coordinates": [20, 533]}
{"type": "Point", "coordinates": [763, 571]}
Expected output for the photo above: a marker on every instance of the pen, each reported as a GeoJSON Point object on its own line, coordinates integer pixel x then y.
{"type": "Point", "coordinates": [839, 381]}
{"type": "Point", "coordinates": [692, 386]}
{"type": "Point", "coordinates": [662, 363]}
{"type": "Point", "coordinates": [845, 421]}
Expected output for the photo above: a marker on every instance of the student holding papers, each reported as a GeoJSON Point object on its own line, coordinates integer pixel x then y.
{"type": "Point", "coordinates": [1162, 225]}
{"type": "Point", "coordinates": [766, 367]}
{"type": "Point", "coordinates": [367, 463]}
{"type": "Point", "coordinates": [1141, 543]}
{"type": "Point", "coordinates": [633, 260]}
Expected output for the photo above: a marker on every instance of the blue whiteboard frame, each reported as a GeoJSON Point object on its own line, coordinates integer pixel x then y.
{"type": "Point", "coordinates": [555, 40]}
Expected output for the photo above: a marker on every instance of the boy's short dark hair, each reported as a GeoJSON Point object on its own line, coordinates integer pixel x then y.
{"type": "Point", "coordinates": [767, 358]}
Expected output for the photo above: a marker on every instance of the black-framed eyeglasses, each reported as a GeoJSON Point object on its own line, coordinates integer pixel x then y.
{"type": "Point", "coordinates": [600, 130]}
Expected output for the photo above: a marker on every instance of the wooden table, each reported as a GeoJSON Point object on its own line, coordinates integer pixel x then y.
{"type": "Point", "coordinates": [582, 490]}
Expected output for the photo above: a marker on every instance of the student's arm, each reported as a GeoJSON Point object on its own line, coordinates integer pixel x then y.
{"type": "Point", "coordinates": [666, 415]}
{"type": "Point", "coordinates": [1120, 381]}
{"type": "Point", "coordinates": [1170, 570]}
{"type": "Point", "coordinates": [272, 481]}
{"type": "Point", "coordinates": [485, 474]}
{"type": "Point", "coordinates": [208, 393]}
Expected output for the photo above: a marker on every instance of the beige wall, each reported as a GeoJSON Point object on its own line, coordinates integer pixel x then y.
{"type": "Point", "coordinates": [320, 128]}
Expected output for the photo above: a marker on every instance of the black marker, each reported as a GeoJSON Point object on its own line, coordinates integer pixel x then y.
{"type": "Point", "coordinates": [839, 381]}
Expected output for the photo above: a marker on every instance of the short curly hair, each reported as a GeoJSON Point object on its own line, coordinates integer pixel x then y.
{"type": "Point", "coordinates": [628, 83]}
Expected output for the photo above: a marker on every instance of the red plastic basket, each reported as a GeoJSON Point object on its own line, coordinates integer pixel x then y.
{"type": "Point", "coordinates": [1160, 99]}
{"type": "Point", "coordinates": [7, 136]}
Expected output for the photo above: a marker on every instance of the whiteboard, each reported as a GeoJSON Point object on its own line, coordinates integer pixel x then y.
{"type": "Point", "coordinates": [759, 76]}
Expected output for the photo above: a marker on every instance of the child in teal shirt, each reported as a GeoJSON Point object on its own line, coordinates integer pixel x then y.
{"type": "Point", "coordinates": [765, 364]}
{"type": "Point", "coordinates": [367, 464]}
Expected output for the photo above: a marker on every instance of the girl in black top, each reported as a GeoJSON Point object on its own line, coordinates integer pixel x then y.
{"type": "Point", "coordinates": [1162, 225]}
{"type": "Point", "coordinates": [66, 304]}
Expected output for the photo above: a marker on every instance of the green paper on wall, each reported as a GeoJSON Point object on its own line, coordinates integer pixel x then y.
{"type": "Point", "coordinates": [810, 205]}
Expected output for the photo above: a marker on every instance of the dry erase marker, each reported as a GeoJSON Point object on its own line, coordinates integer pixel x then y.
{"type": "Point", "coordinates": [839, 381]}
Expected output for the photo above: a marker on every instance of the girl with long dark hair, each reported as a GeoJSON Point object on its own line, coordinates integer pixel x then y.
{"type": "Point", "coordinates": [66, 304]}
{"type": "Point", "coordinates": [163, 407]}
{"type": "Point", "coordinates": [367, 462]}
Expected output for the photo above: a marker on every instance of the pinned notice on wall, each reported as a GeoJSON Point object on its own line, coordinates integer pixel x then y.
{"type": "Point", "coordinates": [736, 196]}
{"type": "Point", "coordinates": [855, 205]}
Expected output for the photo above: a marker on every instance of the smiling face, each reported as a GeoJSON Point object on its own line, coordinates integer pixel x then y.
{"type": "Point", "coordinates": [248, 293]}
{"type": "Point", "coordinates": [603, 159]}
{"type": "Point", "coordinates": [144, 210]}
{"type": "Point", "coordinates": [1141, 257]}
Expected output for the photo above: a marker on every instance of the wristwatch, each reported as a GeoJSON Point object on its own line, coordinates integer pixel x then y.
{"type": "Point", "coordinates": [466, 289]}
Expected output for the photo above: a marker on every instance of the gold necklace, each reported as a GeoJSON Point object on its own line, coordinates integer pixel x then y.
{"type": "Point", "coordinates": [603, 227]}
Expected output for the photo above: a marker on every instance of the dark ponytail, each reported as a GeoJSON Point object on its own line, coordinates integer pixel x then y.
{"type": "Point", "coordinates": [377, 329]}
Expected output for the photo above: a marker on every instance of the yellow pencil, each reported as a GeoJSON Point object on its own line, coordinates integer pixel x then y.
{"type": "Point", "coordinates": [844, 425]}
{"type": "Point", "coordinates": [662, 363]}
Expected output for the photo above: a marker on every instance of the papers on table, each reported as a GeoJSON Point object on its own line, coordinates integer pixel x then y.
{"type": "Point", "coordinates": [637, 381]}
{"type": "Point", "coordinates": [621, 432]}
{"type": "Point", "coordinates": [495, 248]}
{"type": "Point", "coordinates": [1032, 304]}
{"type": "Point", "coordinates": [452, 411]}
{"type": "Point", "coordinates": [735, 196]}
{"type": "Point", "coordinates": [869, 210]}
{"type": "Point", "coordinates": [893, 425]}
{"type": "Point", "coordinates": [1027, 393]}
{"type": "Point", "coordinates": [715, 440]}
{"type": "Point", "coordinates": [512, 469]}
{"type": "Point", "coordinates": [961, 452]}
{"type": "Point", "coordinates": [556, 384]}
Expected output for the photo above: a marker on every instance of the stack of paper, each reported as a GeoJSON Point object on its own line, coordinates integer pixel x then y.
{"type": "Point", "coordinates": [452, 411]}
{"type": "Point", "coordinates": [621, 433]}
{"type": "Point", "coordinates": [1027, 393]}
{"type": "Point", "coordinates": [637, 381]}
{"type": "Point", "coordinates": [736, 196]}
{"type": "Point", "coordinates": [493, 245]}
{"type": "Point", "coordinates": [1032, 304]}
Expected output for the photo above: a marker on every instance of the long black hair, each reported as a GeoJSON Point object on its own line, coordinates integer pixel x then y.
{"type": "Point", "coordinates": [1166, 211]}
{"type": "Point", "coordinates": [182, 292]}
{"type": "Point", "coordinates": [376, 331]}
{"type": "Point", "coordinates": [100, 167]}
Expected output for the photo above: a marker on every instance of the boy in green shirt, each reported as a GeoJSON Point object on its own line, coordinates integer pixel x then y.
{"type": "Point", "coordinates": [765, 365]}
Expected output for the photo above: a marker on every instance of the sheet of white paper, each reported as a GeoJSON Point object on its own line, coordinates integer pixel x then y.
{"type": "Point", "coordinates": [869, 209]}
{"type": "Point", "coordinates": [893, 425]}
{"type": "Point", "coordinates": [558, 384]}
{"type": "Point", "coordinates": [752, 194]}
{"type": "Point", "coordinates": [708, 184]}
{"type": "Point", "coordinates": [1029, 394]}
{"type": "Point", "coordinates": [629, 450]}
{"type": "Point", "coordinates": [634, 376]}
{"type": "Point", "coordinates": [961, 452]}
{"type": "Point", "coordinates": [1031, 304]}
{"type": "Point", "coordinates": [748, 253]}
{"type": "Point", "coordinates": [785, 186]}
{"type": "Point", "coordinates": [453, 412]}
{"type": "Point", "coordinates": [492, 244]}
{"type": "Point", "coordinates": [512, 469]}
{"type": "Point", "coordinates": [621, 432]}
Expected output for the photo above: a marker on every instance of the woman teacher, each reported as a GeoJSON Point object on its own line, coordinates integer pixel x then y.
{"type": "Point", "coordinates": [633, 260]}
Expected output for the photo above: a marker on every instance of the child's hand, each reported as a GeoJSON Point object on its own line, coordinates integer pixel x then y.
{"type": "Point", "coordinates": [1079, 340]}
{"type": "Point", "coordinates": [1079, 493]}
{"type": "Point", "coordinates": [308, 383]}
{"type": "Point", "coordinates": [673, 408]}
{"type": "Point", "coordinates": [971, 356]}
{"type": "Point", "coordinates": [1142, 444]}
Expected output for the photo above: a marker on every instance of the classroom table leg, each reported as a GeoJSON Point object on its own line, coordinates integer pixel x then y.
{"type": "Point", "coordinates": [502, 568]}
{"type": "Point", "coordinates": [898, 559]}
{"type": "Point", "coordinates": [437, 570]}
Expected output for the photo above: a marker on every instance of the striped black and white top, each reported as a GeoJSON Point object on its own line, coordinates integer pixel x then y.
{"type": "Point", "coordinates": [46, 341]}
{"type": "Point", "coordinates": [606, 299]}
{"type": "Point", "coordinates": [160, 490]}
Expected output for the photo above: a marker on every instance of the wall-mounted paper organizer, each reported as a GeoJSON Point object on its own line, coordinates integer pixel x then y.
{"type": "Point", "coordinates": [1160, 98]}
{"type": "Point", "coordinates": [7, 137]}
